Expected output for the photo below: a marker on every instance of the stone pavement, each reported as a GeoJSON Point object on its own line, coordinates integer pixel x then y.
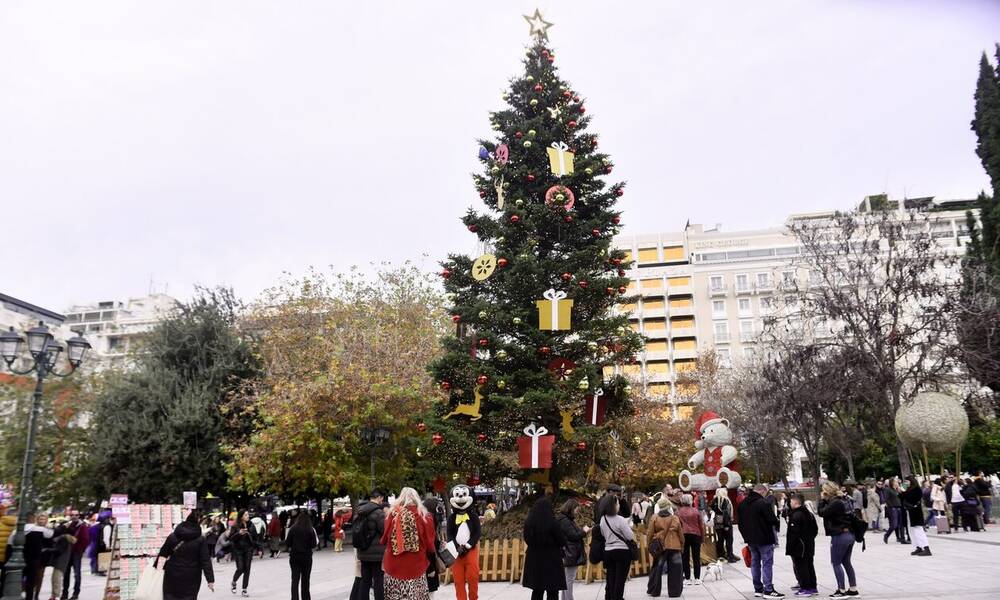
{"type": "Point", "coordinates": [964, 565]}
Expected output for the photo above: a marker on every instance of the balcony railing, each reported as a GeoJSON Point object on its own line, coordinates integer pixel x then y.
{"type": "Point", "coordinates": [717, 289]}
{"type": "Point", "coordinates": [721, 338]}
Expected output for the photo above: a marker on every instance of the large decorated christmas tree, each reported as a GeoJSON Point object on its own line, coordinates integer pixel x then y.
{"type": "Point", "coordinates": [529, 385]}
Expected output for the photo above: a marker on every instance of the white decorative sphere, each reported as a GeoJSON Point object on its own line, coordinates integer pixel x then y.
{"type": "Point", "coordinates": [933, 420]}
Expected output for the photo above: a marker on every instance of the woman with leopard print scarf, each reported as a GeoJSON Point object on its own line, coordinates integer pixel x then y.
{"type": "Point", "coordinates": [409, 548]}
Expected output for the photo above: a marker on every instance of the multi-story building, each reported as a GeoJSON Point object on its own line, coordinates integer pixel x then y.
{"type": "Point", "coordinates": [113, 328]}
{"type": "Point", "coordinates": [705, 289]}
{"type": "Point", "coordinates": [23, 315]}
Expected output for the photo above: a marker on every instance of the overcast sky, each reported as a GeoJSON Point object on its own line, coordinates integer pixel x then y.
{"type": "Point", "coordinates": [224, 142]}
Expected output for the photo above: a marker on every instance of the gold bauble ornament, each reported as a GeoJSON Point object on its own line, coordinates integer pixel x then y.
{"type": "Point", "coordinates": [495, 170]}
{"type": "Point", "coordinates": [455, 476]}
{"type": "Point", "coordinates": [420, 452]}
{"type": "Point", "coordinates": [606, 161]}
{"type": "Point", "coordinates": [519, 202]}
{"type": "Point", "coordinates": [502, 354]}
{"type": "Point", "coordinates": [532, 133]}
{"type": "Point", "coordinates": [506, 185]}
{"type": "Point", "coordinates": [627, 389]}
{"type": "Point", "coordinates": [592, 346]}
{"type": "Point", "coordinates": [621, 330]}
{"type": "Point", "coordinates": [533, 102]}
{"type": "Point", "coordinates": [588, 171]}
{"type": "Point", "coordinates": [482, 314]}
{"type": "Point", "coordinates": [516, 320]}
{"type": "Point", "coordinates": [529, 78]}
{"type": "Point", "coordinates": [602, 252]}
{"type": "Point", "coordinates": [496, 127]}
{"type": "Point", "coordinates": [527, 143]}
{"type": "Point", "coordinates": [501, 384]}
{"type": "Point", "coordinates": [583, 385]}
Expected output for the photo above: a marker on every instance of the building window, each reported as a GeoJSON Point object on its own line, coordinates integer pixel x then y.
{"type": "Point", "coordinates": [744, 306]}
{"type": "Point", "coordinates": [746, 330]}
{"type": "Point", "coordinates": [763, 281]}
{"type": "Point", "coordinates": [766, 305]}
{"type": "Point", "coordinates": [788, 278]}
{"type": "Point", "coordinates": [718, 308]}
{"type": "Point", "coordinates": [742, 282]}
{"type": "Point", "coordinates": [721, 332]}
{"type": "Point", "coordinates": [749, 354]}
{"type": "Point", "coordinates": [725, 360]}
{"type": "Point", "coordinates": [715, 283]}
{"type": "Point", "coordinates": [116, 344]}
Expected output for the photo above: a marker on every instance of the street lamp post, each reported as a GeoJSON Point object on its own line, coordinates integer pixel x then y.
{"type": "Point", "coordinates": [374, 437]}
{"type": "Point", "coordinates": [45, 351]}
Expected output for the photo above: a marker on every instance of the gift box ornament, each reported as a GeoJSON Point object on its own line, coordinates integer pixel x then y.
{"type": "Point", "coordinates": [596, 408]}
{"type": "Point", "coordinates": [534, 448]}
{"type": "Point", "coordinates": [560, 159]}
{"type": "Point", "coordinates": [554, 312]}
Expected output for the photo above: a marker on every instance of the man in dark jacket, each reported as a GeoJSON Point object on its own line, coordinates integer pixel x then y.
{"type": "Point", "coordinates": [79, 530]}
{"type": "Point", "coordinates": [369, 548]}
{"type": "Point", "coordinates": [801, 545]}
{"type": "Point", "coordinates": [758, 524]}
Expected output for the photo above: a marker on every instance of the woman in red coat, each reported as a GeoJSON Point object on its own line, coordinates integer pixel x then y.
{"type": "Point", "coordinates": [409, 541]}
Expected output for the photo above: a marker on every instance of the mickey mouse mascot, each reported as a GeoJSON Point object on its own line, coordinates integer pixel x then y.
{"type": "Point", "coordinates": [463, 532]}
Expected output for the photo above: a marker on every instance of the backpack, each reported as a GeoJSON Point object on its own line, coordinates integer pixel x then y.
{"type": "Point", "coordinates": [859, 527]}
{"type": "Point", "coordinates": [364, 531]}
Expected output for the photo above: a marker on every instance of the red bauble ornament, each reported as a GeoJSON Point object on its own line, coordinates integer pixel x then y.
{"type": "Point", "coordinates": [581, 446]}
{"type": "Point", "coordinates": [607, 170]}
{"type": "Point", "coordinates": [482, 379]}
{"type": "Point", "coordinates": [616, 219]}
{"type": "Point", "coordinates": [583, 283]}
{"type": "Point", "coordinates": [482, 194]}
{"type": "Point", "coordinates": [483, 342]}
{"type": "Point", "coordinates": [515, 219]}
{"type": "Point", "coordinates": [611, 291]}
{"type": "Point", "coordinates": [446, 273]}
{"type": "Point", "coordinates": [576, 98]}
{"type": "Point", "coordinates": [567, 94]}
{"type": "Point", "coordinates": [518, 134]}
{"type": "Point", "coordinates": [595, 232]}
{"type": "Point", "coordinates": [436, 439]}
{"type": "Point", "coordinates": [622, 289]}
{"type": "Point", "coordinates": [481, 437]}
{"type": "Point", "coordinates": [545, 350]}
{"type": "Point", "coordinates": [616, 261]}
{"type": "Point", "coordinates": [530, 177]}
{"type": "Point", "coordinates": [456, 318]}
{"type": "Point", "coordinates": [619, 192]}
{"type": "Point", "coordinates": [501, 262]}
{"type": "Point", "coordinates": [445, 385]}
{"type": "Point", "coordinates": [421, 427]}
{"type": "Point", "coordinates": [473, 228]}
{"type": "Point", "coordinates": [538, 87]}
{"type": "Point", "coordinates": [567, 276]}
{"type": "Point", "coordinates": [545, 53]}
{"type": "Point", "coordinates": [568, 218]}
{"type": "Point", "coordinates": [593, 143]}
{"type": "Point", "coordinates": [551, 59]}
{"type": "Point", "coordinates": [582, 109]}
{"type": "Point", "coordinates": [621, 272]}
{"type": "Point", "coordinates": [571, 124]}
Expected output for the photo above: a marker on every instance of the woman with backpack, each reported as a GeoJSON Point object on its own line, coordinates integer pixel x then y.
{"type": "Point", "coordinates": [300, 539]}
{"type": "Point", "coordinates": [243, 540]}
{"type": "Point", "coordinates": [665, 540]}
{"type": "Point", "coordinates": [722, 519]}
{"type": "Point", "coordinates": [573, 555]}
{"type": "Point", "coordinates": [409, 541]}
{"type": "Point", "coordinates": [838, 519]}
{"type": "Point", "coordinates": [543, 561]}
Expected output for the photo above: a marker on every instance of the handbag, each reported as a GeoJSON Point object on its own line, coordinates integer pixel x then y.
{"type": "Point", "coordinates": [656, 548]}
{"type": "Point", "coordinates": [746, 556]}
{"type": "Point", "coordinates": [150, 586]}
{"type": "Point", "coordinates": [633, 548]}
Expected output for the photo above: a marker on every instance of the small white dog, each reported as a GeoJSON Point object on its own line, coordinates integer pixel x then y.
{"type": "Point", "coordinates": [714, 569]}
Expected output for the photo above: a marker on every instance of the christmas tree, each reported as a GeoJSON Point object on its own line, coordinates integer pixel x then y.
{"type": "Point", "coordinates": [537, 338]}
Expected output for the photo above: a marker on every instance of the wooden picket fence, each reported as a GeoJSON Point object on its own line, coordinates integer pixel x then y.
{"type": "Point", "coordinates": [503, 560]}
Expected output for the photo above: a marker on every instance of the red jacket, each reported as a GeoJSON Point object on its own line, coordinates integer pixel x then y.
{"type": "Point", "coordinates": [691, 521]}
{"type": "Point", "coordinates": [82, 535]}
{"type": "Point", "coordinates": [408, 565]}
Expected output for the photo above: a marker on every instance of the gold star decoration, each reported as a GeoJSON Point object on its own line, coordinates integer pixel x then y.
{"type": "Point", "coordinates": [539, 26]}
{"type": "Point", "coordinates": [554, 112]}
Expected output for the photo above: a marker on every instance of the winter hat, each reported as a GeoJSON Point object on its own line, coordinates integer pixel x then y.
{"type": "Point", "coordinates": [707, 418]}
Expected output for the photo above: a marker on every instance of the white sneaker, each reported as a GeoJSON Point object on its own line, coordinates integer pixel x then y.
{"type": "Point", "coordinates": [688, 582]}
{"type": "Point", "coordinates": [697, 582]}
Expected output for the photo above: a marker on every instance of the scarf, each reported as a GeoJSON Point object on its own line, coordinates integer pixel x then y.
{"type": "Point", "coordinates": [405, 538]}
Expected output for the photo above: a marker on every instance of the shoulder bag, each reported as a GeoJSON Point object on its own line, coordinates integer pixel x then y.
{"type": "Point", "coordinates": [633, 547]}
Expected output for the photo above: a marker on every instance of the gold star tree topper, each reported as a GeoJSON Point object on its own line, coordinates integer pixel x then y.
{"type": "Point", "coordinates": [539, 26]}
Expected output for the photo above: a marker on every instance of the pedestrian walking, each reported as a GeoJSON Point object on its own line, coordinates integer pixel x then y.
{"type": "Point", "coordinates": [694, 531]}
{"type": "Point", "coordinates": [300, 539]}
{"type": "Point", "coordinates": [81, 532]}
{"type": "Point", "coordinates": [617, 533]}
{"type": "Point", "coordinates": [970, 508]}
{"type": "Point", "coordinates": [93, 550]}
{"type": "Point", "coordinates": [408, 539]}
{"type": "Point", "coordinates": [894, 510]}
{"type": "Point", "coordinates": [543, 561]}
{"type": "Point", "coordinates": [37, 547]}
{"type": "Point", "coordinates": [985, 492]}
{"type": "Point", "coordinates": [666, 529]}
{"type": "Point", "coordinates": [274, 535]}
{"type": "Point", "coordinates": [188, 557]}
{"type": "Point", "coordinates": [954, 497]}
{"type": "Point", "coordinates": [59, 558]}
{"type": "Point", "coordinates": [573, 556]}
{"type": "Point", "coordinates": [243, 544]}
{"type": "Point", "coordinates": [722, 520]}
{"type": "Point", "coordinates": [800, 544]}
{"type": "Point", "coordinates": [837, 515]}
{"type": "Point", "coordinates": [366, 536]}
{"type": "Point", "coordinates": [873, 510]}
{"type": "Point", "coordinates": [912, 500]}
{"type": "Point", "coordinates": [758, 524]}
{"type": "Point", "coordinates": [437, 513]}
{"type": "Point", "coordinates": [341, 517]}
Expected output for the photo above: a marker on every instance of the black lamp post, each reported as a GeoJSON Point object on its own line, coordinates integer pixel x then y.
{"type": "Point", "coordinates": [374, 437]}
{"type": "Point", "coordinates": [45, 351]}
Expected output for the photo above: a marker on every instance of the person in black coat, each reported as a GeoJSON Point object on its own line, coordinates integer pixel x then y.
{"type": "Point", "coordinates": [912, 501]}
{"type": "Point", "coordinates": [243, 537]}
{"type": "Point", "coordinates": [573, 555]}
{"type": "Point", "coordinates": [300, 539]}
{"type": "Point", "coordinates": [543, 572]}
{"type": "Point", "coordinates": [971, 507]}
{"type": "Point", "coordinates": [187, 557]}
{"type": "Point", "coordinates": [800, 543]}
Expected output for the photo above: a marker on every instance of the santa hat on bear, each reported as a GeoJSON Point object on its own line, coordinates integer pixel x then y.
{"type": "Point", "coordinates": [707, 418]}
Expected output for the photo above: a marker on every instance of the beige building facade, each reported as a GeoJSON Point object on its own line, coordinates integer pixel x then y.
{"type": "Point", "coordinates": [702, 289]}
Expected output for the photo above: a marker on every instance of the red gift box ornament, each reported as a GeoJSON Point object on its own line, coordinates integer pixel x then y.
{"type": "Point", "coordinates": [534, 448]}
{"type": "Point", "coordinates": [597, 407]}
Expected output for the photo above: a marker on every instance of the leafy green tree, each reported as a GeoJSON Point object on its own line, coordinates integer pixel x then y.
{"type": "Point", "coordinates": [547, 227]}
{"type": "Point", "coordinates": [158, 428]}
